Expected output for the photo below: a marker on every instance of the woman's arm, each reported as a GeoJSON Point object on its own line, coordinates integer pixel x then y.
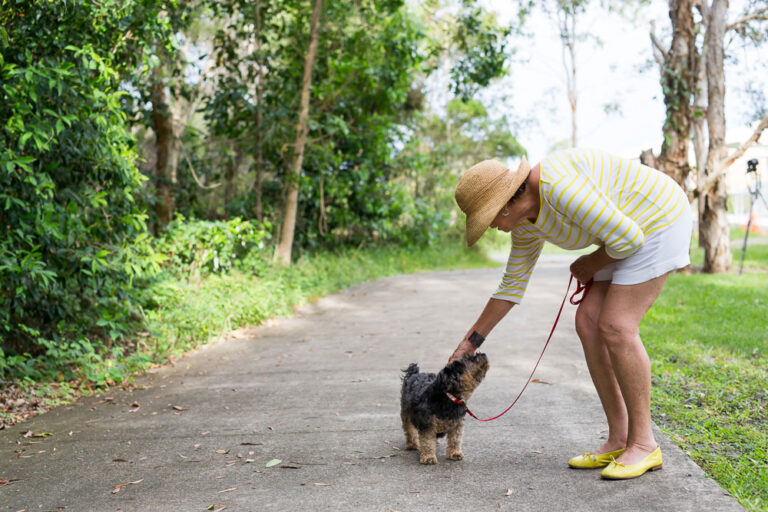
{"type": "Point", "coordinates": [493, 312]}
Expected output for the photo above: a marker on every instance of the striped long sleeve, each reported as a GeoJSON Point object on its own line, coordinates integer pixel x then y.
{"type": "Point", "coordinates": [522, 258]}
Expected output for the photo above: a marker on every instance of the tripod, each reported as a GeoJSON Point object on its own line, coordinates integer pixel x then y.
{"type": "Point", "coordinates": [755, 193]}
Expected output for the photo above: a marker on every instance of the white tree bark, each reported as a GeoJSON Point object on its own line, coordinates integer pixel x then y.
{"type": "Point", "coordinates": [713, 222]}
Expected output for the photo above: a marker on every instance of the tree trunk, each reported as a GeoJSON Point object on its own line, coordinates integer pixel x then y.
{"type": "Point", "coordinates": [678, 82]}
{"type": "Point", "coordinates": [713, 223]}
{"type": "Point", "coordinates": [163, 127]}
{"type": "Point", "coordinates": [259, 118]}
{"type": "Point", "coordinates": [283, 252]}
{"type": "Point", "coordinates": [229, 174]}
{"type": "Point", "coordinates": [567, 19]}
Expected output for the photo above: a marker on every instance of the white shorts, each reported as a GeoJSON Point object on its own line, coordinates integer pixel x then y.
{"type": "Point", "coordinates": [663, 251]}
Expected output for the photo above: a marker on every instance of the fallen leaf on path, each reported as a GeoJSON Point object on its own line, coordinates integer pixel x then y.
{"type": "Point", "coordinates": [540, 381]}
{"type": "Point", "coordinates": [351, 463]}
{"type": "Point", "coordinates": [364, 379]}
{"type": "Point", "coordinates": [222, 451]}
{"type": "Point", "coordinates": [136, 406]}
{"type": "Point", "coordinates": [29, 433]}
{"type": "Point", "coordinates": [273, 462]}
{"type": "Point", "coordinates": [119, 460]}
{"type": "Point", "coordinates": [120, 486]}
{"type": "Point", "coordinates": [508, 493]}
{"type": "Point", "coordinates": [179, 408]}
{"type": "Point", "coordinates": [6, 481]}
{"type": "Point", "coordinates": [227, 490]}
{"type": "Point", "coordinates": [320, 484]}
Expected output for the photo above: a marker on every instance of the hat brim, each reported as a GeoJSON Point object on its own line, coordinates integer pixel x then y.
{"type": "Point", "coordinates": [479, 220]}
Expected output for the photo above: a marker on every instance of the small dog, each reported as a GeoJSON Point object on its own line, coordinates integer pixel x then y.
{"type": "Point", "coordinates": [427, 411]}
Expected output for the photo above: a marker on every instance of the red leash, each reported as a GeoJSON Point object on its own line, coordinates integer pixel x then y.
{"type": "Point", "coordinates": [579, 289]}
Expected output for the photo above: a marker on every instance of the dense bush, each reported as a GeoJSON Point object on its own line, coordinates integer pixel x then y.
{"type": "Point", "coordinates": [199, 247]}
{"type": "Point", "coordinates": [73, 236]}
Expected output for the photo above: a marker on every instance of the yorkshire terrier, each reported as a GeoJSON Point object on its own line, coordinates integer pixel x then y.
{"type": "Point", "coordinates": [427, 410]}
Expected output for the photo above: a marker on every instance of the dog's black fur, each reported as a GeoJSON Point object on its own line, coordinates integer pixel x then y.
{"type": "Point", "coordinates": [426, 411]}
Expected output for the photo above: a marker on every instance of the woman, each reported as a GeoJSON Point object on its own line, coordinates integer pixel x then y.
{"type": "Point", "coordinates": [641, 222]}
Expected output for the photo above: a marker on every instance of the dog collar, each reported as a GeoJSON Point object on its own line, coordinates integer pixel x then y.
{"type": "Point", "coordinates": [454, 399]}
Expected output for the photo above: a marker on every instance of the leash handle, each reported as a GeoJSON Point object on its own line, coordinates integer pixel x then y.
{"type": "Point", "coordinates": [580, 288]}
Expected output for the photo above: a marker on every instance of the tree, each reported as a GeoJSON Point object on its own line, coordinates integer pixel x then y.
{"type": "Point", "coordinates": [679, 72]}
{"type": "Point", "coordinates": [283, 252]}
{"type": "Point", "coordinates": [567, 13]}
{"type": "Point", "coordinates": [686, 112]}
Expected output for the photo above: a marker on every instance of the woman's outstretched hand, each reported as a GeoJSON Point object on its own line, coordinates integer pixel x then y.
{"type": "Point", "coordinates": [464, 348]}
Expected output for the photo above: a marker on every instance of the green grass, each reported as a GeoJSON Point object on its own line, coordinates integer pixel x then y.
{"type": "Point", "coordinates": [707, 336]}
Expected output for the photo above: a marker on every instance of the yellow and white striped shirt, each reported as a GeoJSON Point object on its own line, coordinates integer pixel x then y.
{"type": "Point", "coordinates": [589, 197]}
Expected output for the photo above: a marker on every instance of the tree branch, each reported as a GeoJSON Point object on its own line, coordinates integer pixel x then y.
{"type": "Point", "coordinates": [725, 164]}
{"type": "Point", "coordinates": [659, 53]}
{"type": "Point", "coordinates": [762, 14]}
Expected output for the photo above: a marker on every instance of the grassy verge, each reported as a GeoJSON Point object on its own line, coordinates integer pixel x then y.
{"type": "Point", "coordinates": [707, 336]}
{"type": "Point", "coordinates": [190, 313]}
{"type": "Point", "coordinates": [183, 314]}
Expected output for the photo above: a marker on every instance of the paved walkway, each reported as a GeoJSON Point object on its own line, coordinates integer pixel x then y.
{"type": "Point", "coordinates": [320, 392]}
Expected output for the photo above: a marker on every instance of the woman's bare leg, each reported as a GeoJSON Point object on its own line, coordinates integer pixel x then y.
{"type": "Point", "coordinates": [622, 310]}
{"type": "Point", "coordinates": [600, 367]}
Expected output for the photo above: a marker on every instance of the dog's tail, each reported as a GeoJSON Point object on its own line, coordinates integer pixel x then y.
{"type": "Point", "coordinates": [413, 369]}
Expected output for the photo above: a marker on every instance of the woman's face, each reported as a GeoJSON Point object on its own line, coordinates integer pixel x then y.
{"type": "Point", "coordinates": [515, 213]}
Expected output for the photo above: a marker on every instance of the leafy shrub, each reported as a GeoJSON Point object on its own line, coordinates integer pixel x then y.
{"type": "Point", "coordinates": [73, 238]}
{"type": "Point", "coordinates": [200, 247]}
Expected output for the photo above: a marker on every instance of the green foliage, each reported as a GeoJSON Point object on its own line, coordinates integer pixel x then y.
{"type": "Point", "coordinates": [74, 238]}
{"type": "Point", "coordinates": [481, 44]}
{"type": "Point", "coordinates": [198, 247]}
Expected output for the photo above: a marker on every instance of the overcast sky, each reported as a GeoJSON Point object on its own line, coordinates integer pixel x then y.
{"type": "Point", "coordinates": [620, 71]}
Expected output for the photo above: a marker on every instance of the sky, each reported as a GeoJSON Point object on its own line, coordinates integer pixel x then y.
{"type": "Point", "coordinates": [619, 71]}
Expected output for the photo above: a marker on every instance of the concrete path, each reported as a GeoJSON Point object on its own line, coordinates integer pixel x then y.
{"type": "Point", "coordinates": [320, 392]}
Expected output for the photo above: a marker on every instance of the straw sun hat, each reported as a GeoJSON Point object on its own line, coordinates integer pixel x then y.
{"type": "Point", "coordinates": [484, 190]}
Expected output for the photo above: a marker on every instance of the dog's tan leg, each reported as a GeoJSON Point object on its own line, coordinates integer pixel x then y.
{"type": "Point", "coordinates": [411, 435]}
{"type": "Point", "coordinates": [427, 445]}
{"type": "Point", "coordinates": [453, 447]}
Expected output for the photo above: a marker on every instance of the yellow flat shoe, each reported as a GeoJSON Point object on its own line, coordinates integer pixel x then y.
{"type": "Point", "coordinates": [594, 460]}
{"type": "Point", "coordinates": [619, 471]}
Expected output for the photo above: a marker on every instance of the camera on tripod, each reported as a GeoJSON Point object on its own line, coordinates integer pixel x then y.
{"type": "Point", "coordinates": [754, 195]}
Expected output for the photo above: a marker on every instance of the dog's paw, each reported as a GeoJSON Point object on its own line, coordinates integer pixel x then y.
{"type": "Point", "coordinates": [411, 446]}
{"type": "Point", "coordinates": [428, 459]}
{"type": "Point", "coordinates": [456, 456]}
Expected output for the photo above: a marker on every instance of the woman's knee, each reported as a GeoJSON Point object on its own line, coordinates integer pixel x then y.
{"type": "Point", "coordinates": [614, 332]}
{"type": "Point", "coordinates": [586, 323]}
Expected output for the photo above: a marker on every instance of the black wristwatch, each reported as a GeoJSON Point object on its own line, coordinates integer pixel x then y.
{"type": "Point", "coordinates": [476, 339]}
